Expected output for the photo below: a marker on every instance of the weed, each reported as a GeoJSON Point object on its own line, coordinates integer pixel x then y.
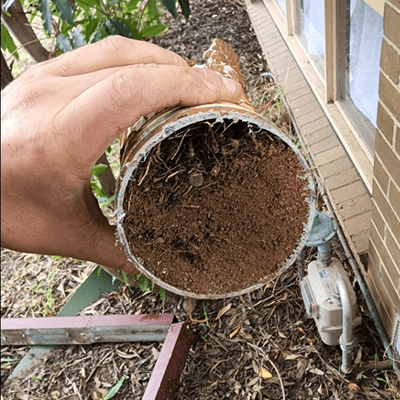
{"type": "Point", "coordinates": [207, 324]}
{"type": "Point", "coordinates": [114, 390]}
{"type": "Point", "coordinates": [49, 307]}
{"type": "Point", "coordinates": [5, 362]}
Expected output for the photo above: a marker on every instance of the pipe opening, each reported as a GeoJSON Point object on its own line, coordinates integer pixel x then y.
{"type": "Point", "coordinates": [215, 208]}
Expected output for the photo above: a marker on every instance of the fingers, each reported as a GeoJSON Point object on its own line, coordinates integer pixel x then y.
{"type": "Point", "coordinates": [115, 51]}
{"type": "Point", "coordinates": [104, 111]}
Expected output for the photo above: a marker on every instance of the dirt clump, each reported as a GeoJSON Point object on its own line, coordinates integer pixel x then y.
{"type": "Point", "coordinates": [215, 208]}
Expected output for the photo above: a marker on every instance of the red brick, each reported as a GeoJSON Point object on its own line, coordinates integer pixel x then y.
{"type": "Point", "coordinates": [388, 271]}
{"type": "Point", "coordinates": [385, 123]}
{"type": "Point", "coordinates": [381, 202]}
{"type": "Point", "coordinates": [384, 304]}
{"type": "Point", "coordinates": [391, 22]}
{"type": "Point", "coordinates": [377, 219]}
{"type": "Point", "coordinates": [394, 249]}
{"type": "Point", "coordinates": [388, 157]}
{"type": "Point", "coordinates": [390, 96]}
{"type": "Point", "coordinates": [394, 198]}
{"type": "Point", "coordinates": [380, 175]}
{"type": "Point", "coordinates": [390, 61]}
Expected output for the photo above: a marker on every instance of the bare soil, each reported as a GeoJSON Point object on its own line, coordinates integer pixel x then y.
{"type": "Point", "coordinates": [216, 208]}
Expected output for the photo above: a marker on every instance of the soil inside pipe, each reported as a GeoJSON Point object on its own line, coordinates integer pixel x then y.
{"type": "Point", "coordinates": [215, 208]}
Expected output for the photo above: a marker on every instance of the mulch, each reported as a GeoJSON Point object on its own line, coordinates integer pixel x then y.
{"type": "Point", "coordinates": [257, 346]}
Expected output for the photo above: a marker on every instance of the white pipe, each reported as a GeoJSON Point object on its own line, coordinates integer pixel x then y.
{"type": "Point", "coordinates": [346, 339]}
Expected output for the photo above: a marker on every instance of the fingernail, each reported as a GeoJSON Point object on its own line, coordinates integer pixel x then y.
{"type": "Point", "coordinates": [230, 84]}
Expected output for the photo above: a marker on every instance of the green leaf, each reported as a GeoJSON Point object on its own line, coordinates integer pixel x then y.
{"type": "Point", "coordinates": [152, 9]}
{"type": "Point", "coordinates": [132, 29]}
{"type": "Point", "coordinates": [185, 6]}
{"type": "Point", "coordinates": [63, 43]}
{"type": "Point", "coordinates": [162, 293]}
{"type": "Point", "coordinates": [116, 27]}
{"type": "Point", "coordinates": [45, 14]}
{"type": "Point", "coordinates": [99, 169]}
{"type": "Point", "coordinates": [111, 2]}
{"type": "Point", "coordinates": [89, 26]}
{"type": "Point", "coordinates": [144, 283]}
{"type": "Point", "coordinates": [88, 3]}
{"type": "Point", "coordinates": [114, 389]}
{"type": "Point", "coordinates": [64, 10]}
{"type": "Point", "coordinates": [170, 5]}
{"type": "Point", "coordinates": [97, 35]}
{"type": "Point", "coordinates": [7, 42]}
{"type": "Point", "coordinates": [77, 38]}
{"type": "Point", "coordinates": [153, 30]}
{"type": "Point", "coordinates": [130, 5]}
{"type": "Point", "coordinates": [97, 189]}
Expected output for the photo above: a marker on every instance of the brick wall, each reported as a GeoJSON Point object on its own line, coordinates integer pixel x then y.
{"type": "Point", "coordinates": [383, 274]}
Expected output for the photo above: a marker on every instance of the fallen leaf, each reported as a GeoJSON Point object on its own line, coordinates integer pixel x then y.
{"type": "Point", "coordinates": [354, 387]}
{"type": "Point", "coordinates": [253, 381]}
{"type": "Point", "coordinates": [292, 356]}
{"type": "Point", "coordinates": [319, 390]}
{"type": "Point", "coordinates": [265, 374]}
{"type": "Point", "coordinates": [232, 334]}
{"type": "Point", "coordinates": [282, 335]}
{"type": "Point", "coordinates": [317, 371]}
{"type": "Point", "coordinates": [223, 310]}
{"type": "Point", "coordinates": [256, 369]}
{"type": "Point", "coordinates": [301, 330]}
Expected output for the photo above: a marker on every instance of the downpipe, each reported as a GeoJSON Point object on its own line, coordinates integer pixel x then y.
{"type": "Point", "coordinates": [360, 280]}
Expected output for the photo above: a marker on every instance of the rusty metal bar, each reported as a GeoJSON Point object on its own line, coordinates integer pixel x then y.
{"type": "Point", "coordinates": [85, 330]}
{"type": "Point", "coordinates": [166, 374]}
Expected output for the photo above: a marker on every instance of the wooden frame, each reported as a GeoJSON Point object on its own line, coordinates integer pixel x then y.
{"type": "Point", "coordinates": [66, 329]}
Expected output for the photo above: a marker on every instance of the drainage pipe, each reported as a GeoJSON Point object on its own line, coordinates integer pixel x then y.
{"type": "Point", "coordinates": [364, 289]}
{"type": "Point", "coordinates": [346, 339]}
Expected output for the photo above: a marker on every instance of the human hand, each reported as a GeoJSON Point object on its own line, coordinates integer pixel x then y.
{"type": "Point", "coordinates": [60, 116]}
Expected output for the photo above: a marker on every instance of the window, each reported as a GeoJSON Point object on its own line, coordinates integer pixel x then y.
{"type": "Point", "coordinates": [342, 39]}
{"type": "Point", "coordinates": [311, 31]}
{"type": "Point", "coordinates": [364, 34]}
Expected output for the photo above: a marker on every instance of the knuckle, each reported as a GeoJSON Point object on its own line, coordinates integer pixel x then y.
{"type": "Point", "coordinates": [113, 44]}
{"type": "Point", "coordinates": [121, 89]}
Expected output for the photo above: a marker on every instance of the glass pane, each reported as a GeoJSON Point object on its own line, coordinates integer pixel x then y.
{"type": "Point", "coordinates": [366, 34]}
{"type": "Point", "coordinates": [282, 6]}
{"type": "Point", "coordinates": [312, 31]}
